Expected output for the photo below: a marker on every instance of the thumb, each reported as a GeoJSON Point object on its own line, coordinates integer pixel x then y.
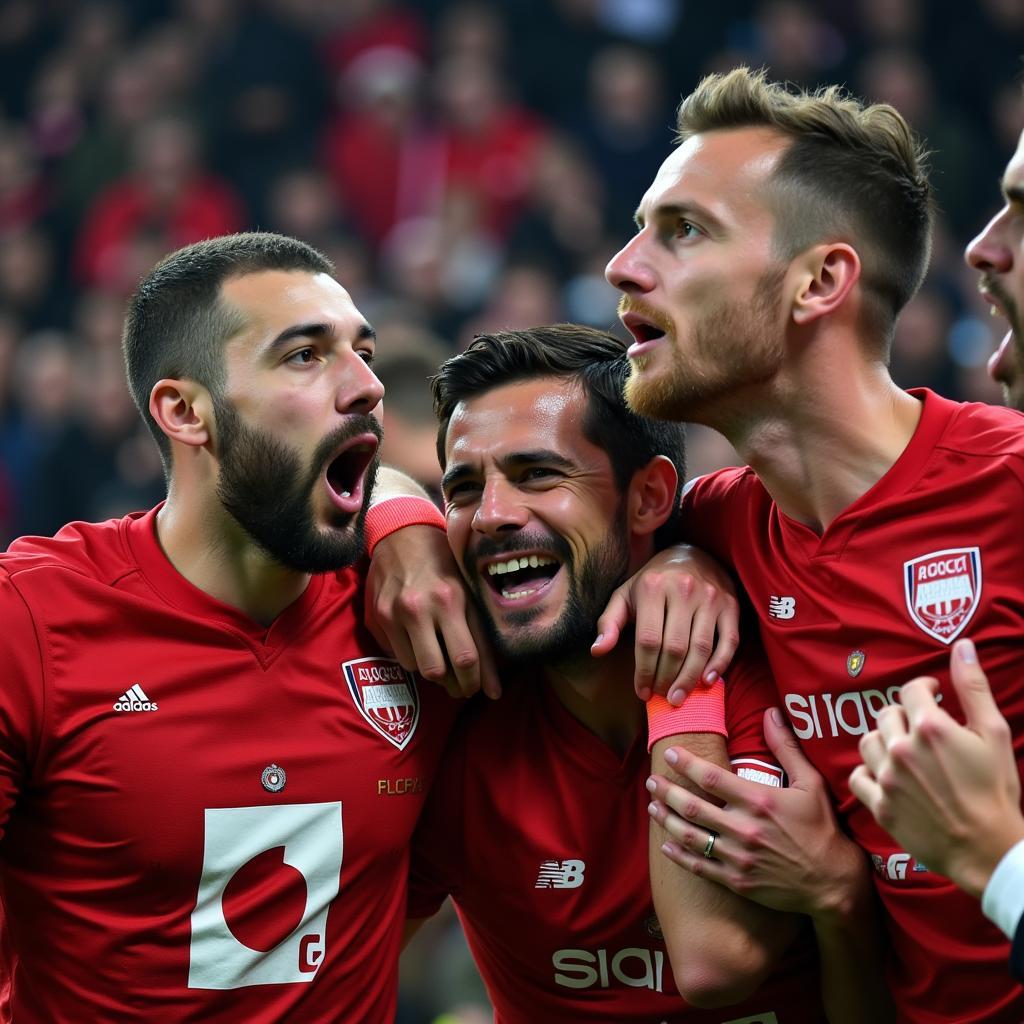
{"type": "Point", "coordinates": [613, 620]}
{"type": "Point", "coordinates": [785, 746]}
{"type": "Point", "coordinates": [972, 688]}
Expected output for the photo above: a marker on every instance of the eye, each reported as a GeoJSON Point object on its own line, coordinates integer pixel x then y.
{"type": "Point", "coordinates": [687, 229]}
{"type": "Point", "coordinates": [302, 356]}
{"type": "Point", "coordinates": [367, 355]}
{"type": "Point", "coordinates": [461, 492]}
{"type": "Point", "coordinates": [539, 474]}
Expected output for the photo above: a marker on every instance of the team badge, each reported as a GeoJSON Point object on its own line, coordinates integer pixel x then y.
{"type": "Point", "coordinates": [386, 697]}
{"type": "Point", "coordinates": [273, 778]}
{"type": "Point", "coordinates": [855, 662]}
{"type": "Point", "coordinates": [943, 590]}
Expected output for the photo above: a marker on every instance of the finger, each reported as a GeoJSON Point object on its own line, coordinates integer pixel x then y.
{"type": "Point", "coordinates": [728, 633]}
{"type": "Point", "coordinates": [461, 653]}
{"type": "Point", "coordinates": [689, 640]}
{"type": "Point", "coordinates": [892, 724]}
{"type": "Point", "coordinates": [917, 698]}
{"type": "Point", "coordinates": [786, 748]}
{"type": "Point", "coordinates": [873, 752]}
{"type": "Point", "coordinates": [490, 682]}
{"type": "Point", "coordinates": [428, 656]}
{"type": "Point", "coordinates": [689, 836]}
{"type": "Point", "coordinates": [703, 867]}
{"type": "Point", "coordinates": [650, 623]}
{"type": "Point", "coordinates": [865, 787]}
{"type": "Point", "coordinates": [687, 805]}
{"type": "Point", "coordinates": [615, 617]}
{"type": "Point", "coordinates": [981, 712]}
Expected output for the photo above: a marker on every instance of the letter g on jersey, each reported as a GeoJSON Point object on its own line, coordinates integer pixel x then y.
{"type": "Point", "coordinates": [269, 877]}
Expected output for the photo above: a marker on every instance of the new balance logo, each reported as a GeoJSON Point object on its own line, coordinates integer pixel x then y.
{"type": "Point", "coordinates": [135, 699]}
{"type": "Point", "coordinates": [781, 607]}
{"type": "Point", "coordinates": [560, 874]}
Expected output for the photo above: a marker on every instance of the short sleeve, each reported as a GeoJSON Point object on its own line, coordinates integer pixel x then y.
{"type": "Point", "coordinates": [749, 691]}
{"type": "Point", "coordinates": [21, 696]}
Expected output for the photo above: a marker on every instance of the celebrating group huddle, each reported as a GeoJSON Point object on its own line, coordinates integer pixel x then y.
{"type": "Point", "coordinates": [227, 795]}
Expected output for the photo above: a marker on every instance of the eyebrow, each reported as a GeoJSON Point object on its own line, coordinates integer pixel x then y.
{"type": "Point", "coordinates": [673, 211]}
{"type": "Point", "coordinates": [316, 330]}
{"type": "Point", "coordinates": [460, 471]}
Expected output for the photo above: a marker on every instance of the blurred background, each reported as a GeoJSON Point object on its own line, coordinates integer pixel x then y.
{"type": "Point", "coordinates": [467, 166]}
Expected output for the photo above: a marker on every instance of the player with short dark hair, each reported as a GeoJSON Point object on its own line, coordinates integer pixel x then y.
{"type": "Point", "coordinates": [554, 492]}
{"type": "Point", "coordinates": [209, 771]}
{"type": "Point", "coordinates": [868, 527]}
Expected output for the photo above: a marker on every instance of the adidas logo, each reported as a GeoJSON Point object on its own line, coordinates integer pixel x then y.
{"type": "Point", "coordinates": [135, 699]}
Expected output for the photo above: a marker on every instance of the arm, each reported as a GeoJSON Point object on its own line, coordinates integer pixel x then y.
{"type": "Point", "coordinates": [948, 793]}
{"type": "Point", "coordinates": [721, 945]}
{"type": "Point", "coordinates": [687, 622]}
{"type": "Point", "coordinates": [416, 604]}
{"type": "Point", "coordinates": [783, 848]}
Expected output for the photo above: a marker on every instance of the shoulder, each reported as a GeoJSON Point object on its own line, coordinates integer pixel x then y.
{"type": "Point", "coordinates": [722, 485]}
{"type": "Point", "coordinates": [84, 548]}
{"type": "Point", "coordinates": [974, 428]}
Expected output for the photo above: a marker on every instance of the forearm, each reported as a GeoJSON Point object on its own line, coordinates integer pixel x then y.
{"type": "Point", "coordinates": [851, 941]}
{"type": "Point", "coordinates": [721, 945]}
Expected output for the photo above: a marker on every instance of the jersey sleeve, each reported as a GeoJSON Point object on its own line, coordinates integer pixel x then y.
{"type": "Point", "coordinates": [709, 511]}
{"type": "Point", "coordinates": [21, 696]}
{"type": "Point", "coordinates": [438, 844]}
{"type": "Point", "coordinates": [749, 692]}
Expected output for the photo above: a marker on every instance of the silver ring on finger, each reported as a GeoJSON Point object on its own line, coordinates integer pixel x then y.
{"type": "Point", "coordinates": [710, 844]}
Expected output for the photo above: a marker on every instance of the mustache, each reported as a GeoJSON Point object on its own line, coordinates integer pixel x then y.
{"type": "Point", "coordinates": [987, 283]}
{"type": "Point", "coordinates": [631, 304]}
{"type": "Point", "coordinates": [488, 547]}
{"type": "Point", "coordinates": [356, 424]}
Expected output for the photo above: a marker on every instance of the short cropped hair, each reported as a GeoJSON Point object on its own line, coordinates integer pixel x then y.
{"type": "Point", "coordinates": [593, 360]}
{"type": "Point", "coordinates": [853, 172]}
{"type": "Point", "coordinates": [176, 324]}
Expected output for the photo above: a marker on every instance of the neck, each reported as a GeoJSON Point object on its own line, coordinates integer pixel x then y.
{"type": "Point", "coordinates": [822, 439]}
{"type": "Point", "coordinates": [599, 693]}
{"type": "Point", "coordinates": [213, 553]}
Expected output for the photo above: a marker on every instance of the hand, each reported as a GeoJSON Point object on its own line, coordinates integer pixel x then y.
{"type": "Point", "coordinates": [681, 599]}
{"type": "Point", "coordinates": [949, 794]}
{"type": "Point", "coordinates": [781, 848]}
{"type": "Point", "coordinates": [417, 608]}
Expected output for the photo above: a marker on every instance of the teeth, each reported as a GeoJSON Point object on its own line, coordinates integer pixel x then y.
{"type": "Point", "coordinates": [531, 561]}
{"type": "Point", "coordinates": [346, 494]}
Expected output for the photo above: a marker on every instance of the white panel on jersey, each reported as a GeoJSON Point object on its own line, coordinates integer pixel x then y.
{"type": "Point", "coordinates": [311, 835]}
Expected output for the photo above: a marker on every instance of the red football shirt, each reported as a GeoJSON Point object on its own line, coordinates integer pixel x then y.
{"type": "Point", "coordinates": [201, 818]}
{"type": "Point", "coordinates": [932, 552]}
{"type": "Point", "coordinates": [538, 830]}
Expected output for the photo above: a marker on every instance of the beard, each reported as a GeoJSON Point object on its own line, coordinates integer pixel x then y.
{"type": "Point", "coordinates": [265, 488]}
{"type": "Point", "coordinates": [567, 640]}
{"type": "Point", "coordinates": [730, 347]}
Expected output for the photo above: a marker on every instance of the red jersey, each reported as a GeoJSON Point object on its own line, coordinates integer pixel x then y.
{"type": "Point", "coordinates": [933, 551]}
{"type": "Point", "coordinates": [538, 830]}
{"type": "Point", "coordinates": [202, 818]}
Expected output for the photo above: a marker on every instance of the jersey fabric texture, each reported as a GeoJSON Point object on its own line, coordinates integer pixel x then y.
{"type": "Point", "coordinates": [933, 551]}
{"type": "Point", "coordinates": [202, 818]}
{"type": "Point", "coordinates": [538, 830]}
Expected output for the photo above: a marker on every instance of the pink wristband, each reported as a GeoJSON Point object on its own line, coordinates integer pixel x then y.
{"type": "Point", "coordinates": [392, 514]}
{"type": "Point", "coordinates": [702, 711]}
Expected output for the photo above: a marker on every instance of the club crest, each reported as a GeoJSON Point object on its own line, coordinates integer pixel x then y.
{"type": "Point", "coordinates": [943, 590]}
{"type": "Point", "coordinates": [386, 696]}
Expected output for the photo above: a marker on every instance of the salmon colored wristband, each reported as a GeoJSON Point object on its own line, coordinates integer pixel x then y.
{"type": "Point", "coordinates": [392, 514]}
{"type": "Point", "coordinates": [702, 711]}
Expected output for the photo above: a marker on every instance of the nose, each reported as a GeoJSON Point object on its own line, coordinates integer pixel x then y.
{"type": "Point", "coordinates": [629, 270]}
{"type": "Point", "coordinates": [988, 252]}
{"type": "Point", "coordinates": [500, 511]}
{"type": "Point", "coordinates": [359, 389]}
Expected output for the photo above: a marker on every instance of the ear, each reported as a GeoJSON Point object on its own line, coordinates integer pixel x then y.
{"type": "Point", "coordinates": [183, 411]}
{"type": "Point", "coordinates": [827, 273]}
{"type": "Point", "coordinates": [652, 493]}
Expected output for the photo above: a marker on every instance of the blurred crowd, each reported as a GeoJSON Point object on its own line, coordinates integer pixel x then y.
{"type": "Point", "coordinates": [467, 165]}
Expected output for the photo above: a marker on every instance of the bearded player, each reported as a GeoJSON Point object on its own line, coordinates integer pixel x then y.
{"type": "Point", "coordinates": [774, 251]}
{"type": "Point", "coordinates": [200, 743]}
{"type": "Point", "coordinates": [554, 493]}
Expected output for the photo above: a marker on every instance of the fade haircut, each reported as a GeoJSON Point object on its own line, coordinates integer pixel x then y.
{"type": "Point", "coordinates": [177, 323]}
{"type": "Point", "coordinates": [592, 360]}
{"type": "Point", "coordinates": [853, 172]}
